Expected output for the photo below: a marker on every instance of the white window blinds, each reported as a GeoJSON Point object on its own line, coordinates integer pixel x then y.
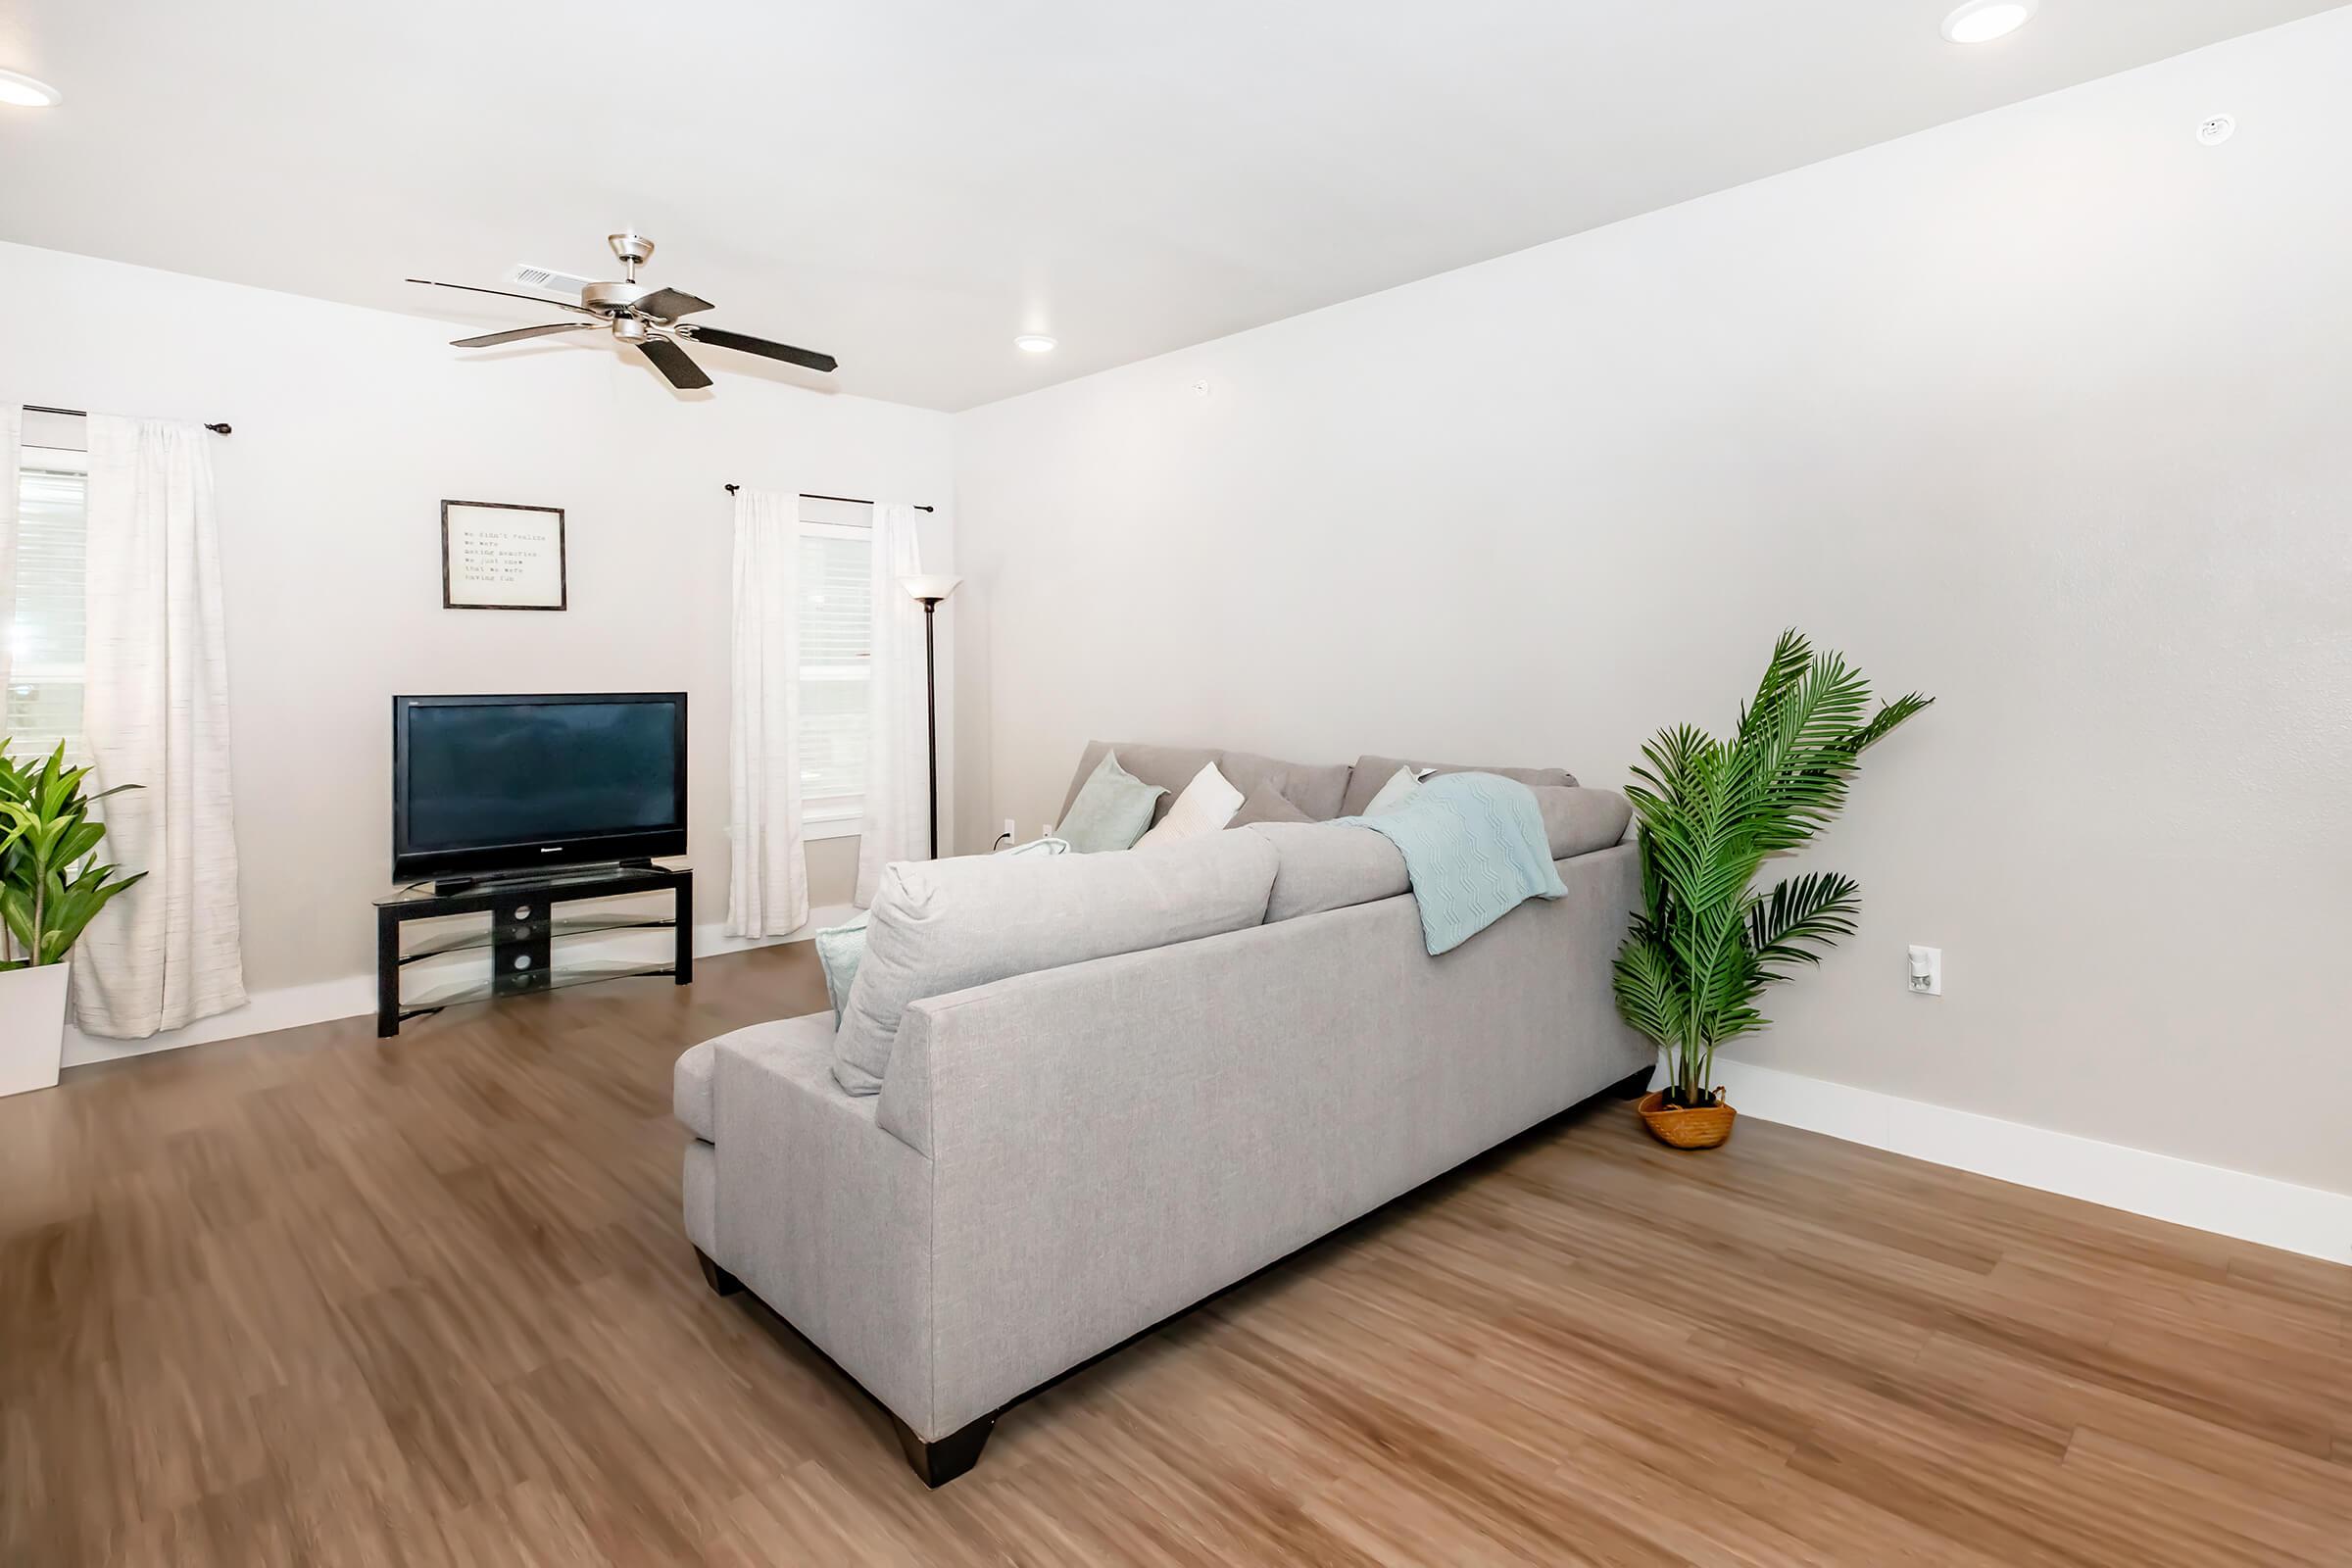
{"type": "Point", "coordinates": [836, 584]}
{"type": "Point", "coordinates": [45, 633]}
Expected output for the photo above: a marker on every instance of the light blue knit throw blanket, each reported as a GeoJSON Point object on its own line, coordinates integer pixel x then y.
{"type": "Point", "coordinates": [1474, 849]}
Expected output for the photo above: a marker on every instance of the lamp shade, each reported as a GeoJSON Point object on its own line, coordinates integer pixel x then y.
{"type": "Point", "coordinates": [931, 587]}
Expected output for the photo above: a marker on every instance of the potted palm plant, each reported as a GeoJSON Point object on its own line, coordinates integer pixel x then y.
{"type": "Point", "coordinates": [1707, 943]}
{"type": "Point", "coordinates": [51, 887]}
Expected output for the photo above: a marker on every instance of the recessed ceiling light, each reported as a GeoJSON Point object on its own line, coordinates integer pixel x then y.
{"type": "Point", "coordinates": [1034, 343]}
{"type": "Point", "coordinates": [27, 92]}
{"type": "Point", "coordinates": [1983, 21]}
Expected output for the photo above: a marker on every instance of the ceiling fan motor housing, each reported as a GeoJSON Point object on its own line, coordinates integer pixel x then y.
{"type": "Point", "coordinates": [609, 298]}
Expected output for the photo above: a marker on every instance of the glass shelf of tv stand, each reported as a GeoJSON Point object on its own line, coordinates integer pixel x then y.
{"type": "Point", "coordinates": [563, 925]}
{"type": "Point", "coordinates": [555, 979]}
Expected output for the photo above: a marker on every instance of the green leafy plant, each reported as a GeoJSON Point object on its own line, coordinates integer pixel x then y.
{"type": "Point", "coordinates": [1711, 812]}
{"type": "Point", "coordinates": [51, 884]}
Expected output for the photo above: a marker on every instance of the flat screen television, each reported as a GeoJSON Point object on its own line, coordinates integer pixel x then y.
{"type": "Point", "coordinates": [484, 785]}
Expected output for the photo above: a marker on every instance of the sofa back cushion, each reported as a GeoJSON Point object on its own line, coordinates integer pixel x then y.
{"type": "Point", "coordinates": [1371, 772]}
{"type": "Point", "coordinates": [938, 926]}
{"type": "Point", "coordinates": [1314, 788]}
{"type": "Point", "coordinates": [1325, 868]}
{"type": "Point", "coordinates": [1579, 822]}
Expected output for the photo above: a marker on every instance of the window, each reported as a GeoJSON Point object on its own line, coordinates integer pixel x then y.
{"type": "Point", "coordinates": [837, 623]}
{"type": "Point", "coordinates": [45, 633]}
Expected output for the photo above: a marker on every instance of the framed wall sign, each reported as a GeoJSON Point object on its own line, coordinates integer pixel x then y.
{"type": "Point", "coordinates": [499, 556]}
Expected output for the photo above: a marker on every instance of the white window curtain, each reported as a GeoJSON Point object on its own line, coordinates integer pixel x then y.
{"type": "Point", "coordinates": [897, 790]}
{"type": "Point", "coordinates": [154, 713]}
{"type": "Point", "coordinates": [768, 882]}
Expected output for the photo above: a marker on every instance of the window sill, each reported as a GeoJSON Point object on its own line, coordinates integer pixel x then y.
{"type": "Point", "coordinates": [831, 827]}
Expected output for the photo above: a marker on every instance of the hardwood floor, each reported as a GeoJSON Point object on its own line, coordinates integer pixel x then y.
{"type": "Point", "coordinates": [319, 1298]}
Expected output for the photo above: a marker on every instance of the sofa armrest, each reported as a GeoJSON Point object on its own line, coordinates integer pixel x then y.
{"type": "Point", "coordinates": [826, 1217]}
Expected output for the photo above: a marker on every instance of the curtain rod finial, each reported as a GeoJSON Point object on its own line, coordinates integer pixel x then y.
{"type": "Point", "coordinates": [217, 429]}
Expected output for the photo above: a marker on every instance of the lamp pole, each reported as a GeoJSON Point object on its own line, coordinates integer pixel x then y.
{"type": "Point", "coordinates": [928, 591]}
{"type": "Point", "coordinates": [931, 712]}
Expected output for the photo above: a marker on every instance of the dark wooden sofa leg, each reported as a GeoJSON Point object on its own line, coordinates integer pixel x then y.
{"type": "Point", "coordinates": [719, 1279]}
{"type": "Point", "coordinates": [1633, 1088]}
{"type": "Point", "coordinates": [940, 1462]}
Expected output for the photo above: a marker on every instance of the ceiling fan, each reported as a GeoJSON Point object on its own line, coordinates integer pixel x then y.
{"type": "Point", "coordinates": [650, 320]}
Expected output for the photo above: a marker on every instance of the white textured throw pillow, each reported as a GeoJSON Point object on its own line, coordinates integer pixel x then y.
{"type": "Point", "coordinates": [1206, 804]}
{"type": "Point", "coordinates": [1401, 788]}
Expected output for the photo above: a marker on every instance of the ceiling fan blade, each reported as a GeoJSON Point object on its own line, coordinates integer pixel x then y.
{"type": "Point", "coordinates": [669, 304]}
{"type": "Point", "coordinates": [518, 334]}
{"type": "Point", "coordinates": [721, 337]}
{"type": "Point", "coordinates": [671, 360]}
{"type": "Point", "coordinates": [535, 299]}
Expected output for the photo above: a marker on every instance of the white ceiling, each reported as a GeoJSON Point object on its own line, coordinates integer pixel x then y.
{"type": "Point", "coordinates": [908, 184]}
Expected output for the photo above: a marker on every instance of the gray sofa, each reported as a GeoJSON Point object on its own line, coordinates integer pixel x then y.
{"type": "Point", "coordinates": [1061, 1159]}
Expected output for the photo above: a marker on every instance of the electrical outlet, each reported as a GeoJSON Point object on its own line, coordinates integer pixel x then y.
{"type": "Point", "coordinates": [1926, 971]}
{"type": "Point", "coordinates": [1011, 832]}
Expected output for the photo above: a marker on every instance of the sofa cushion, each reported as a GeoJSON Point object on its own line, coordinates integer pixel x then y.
{"type": "Point", "coordinates": [1112, 810]}
{"type": "Point", "coordinates": [1579, 822]}
{"type": "Point", "coordinates": [1206, 804]}
{"type": "Point", "coordinates": [1263, 804]}
{"type": "Point", "coordinates": [1325, 868]}
{"type": "Point", "coordinates": [1371, 772]}
{"type": "Point", "coordinates": [690, 1089]}
{"type": "Point", "coordinates": [1316, 789]}
{"type": "Point", "coordinates": [938, 926]}
{"type": "Point", "coordinates": [1171, 767]}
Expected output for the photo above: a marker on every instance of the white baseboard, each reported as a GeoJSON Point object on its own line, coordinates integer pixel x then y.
{"type": "Point", "coordinates": [2227, 1203]}
{"type": "Point", "coordinates": [353, 996]}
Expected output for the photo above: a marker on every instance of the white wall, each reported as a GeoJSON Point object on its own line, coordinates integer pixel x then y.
{"type": "Point", "coordinates": [351, 428]}
{"type": "Point", "coordinates": [2044, 412]}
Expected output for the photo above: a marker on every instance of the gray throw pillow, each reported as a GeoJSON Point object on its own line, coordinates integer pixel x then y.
{"type": "Point", "coordinates": [1263, 804]}
{"type": "Point", "coordinates": [1113, 809]}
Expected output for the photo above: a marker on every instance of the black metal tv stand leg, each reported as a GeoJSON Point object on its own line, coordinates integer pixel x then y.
{"type": "Point", "coordinates": [387, 972]}
{"type": "Point", "coordinates": [683, 912]}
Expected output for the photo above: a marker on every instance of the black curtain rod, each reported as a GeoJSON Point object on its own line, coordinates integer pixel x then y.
{"type": "Point", "coordinates": [83, 414]}
{"type": "Point", "coordinates": [847, 499]}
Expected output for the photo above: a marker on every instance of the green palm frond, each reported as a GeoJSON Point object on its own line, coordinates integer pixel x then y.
{"type": "Point", "coordinates": [1711, 813]}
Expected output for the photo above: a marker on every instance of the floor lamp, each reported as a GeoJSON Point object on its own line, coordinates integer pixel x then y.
{"type": "Point", "coordinates": [928, 591]}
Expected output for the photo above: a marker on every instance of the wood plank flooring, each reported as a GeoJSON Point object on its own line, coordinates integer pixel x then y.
{"type": "Point", "coordinates": [319, 1298]}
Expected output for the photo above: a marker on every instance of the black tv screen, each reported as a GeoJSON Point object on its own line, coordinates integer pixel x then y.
{"type": "Point", "coordinates": [506, 783]}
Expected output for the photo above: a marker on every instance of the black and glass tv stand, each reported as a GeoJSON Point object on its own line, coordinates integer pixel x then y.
{"type": "Point", "coordinates": [525, 937]}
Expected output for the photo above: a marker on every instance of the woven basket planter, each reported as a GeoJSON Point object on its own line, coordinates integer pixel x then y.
{"type": "Point", "coordinates": [1704, 1128]}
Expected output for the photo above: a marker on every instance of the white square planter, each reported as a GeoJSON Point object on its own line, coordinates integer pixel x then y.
{"type": "Point", "coordinates": [33, 1026]}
